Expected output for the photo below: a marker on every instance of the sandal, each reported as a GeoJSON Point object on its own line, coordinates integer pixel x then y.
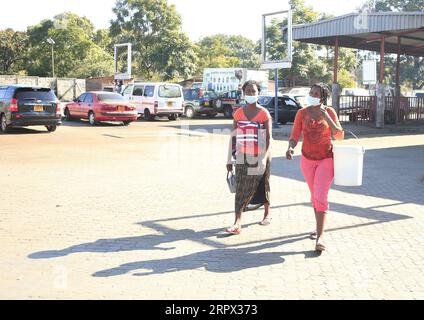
{"type": "Point", "coordinates": [233, 230]}
{"type": "Point", "coordinates": [266, 222]}
{"type": "Point", "coordinates": [320, 246]}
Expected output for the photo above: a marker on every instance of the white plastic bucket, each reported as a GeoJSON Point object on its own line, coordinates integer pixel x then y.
{"type": "Point", "coordinates": [348, 165]}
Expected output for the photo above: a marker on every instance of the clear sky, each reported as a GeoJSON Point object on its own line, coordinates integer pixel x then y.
{"type": "Point", "coordinates": [200, 17]}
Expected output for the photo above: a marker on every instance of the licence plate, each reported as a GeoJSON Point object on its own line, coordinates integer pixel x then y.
{"type": "Point", "coordinates": [121, 109]}
{"type": "Point", "coordinates": [170, 104]}
{"type": "Point", "coordinates": [38, 108]}
{"type": "Point", "coordinates": [207, 104]}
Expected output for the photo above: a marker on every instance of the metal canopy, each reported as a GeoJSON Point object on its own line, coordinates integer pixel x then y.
{"type": "Point", "coordinates": [363, 31]}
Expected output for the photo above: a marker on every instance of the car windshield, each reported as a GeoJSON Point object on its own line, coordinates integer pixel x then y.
{"type": "Point", "coordinates": [35, 94]}
{"type": "Point", "coordinates": [263, 101]}
{"type": "Point", "coordinates": [110, 97]}
{"type": "Point", "coordinates": [169, 92]}
{"type": "Point", "coordinates": [210, 95]}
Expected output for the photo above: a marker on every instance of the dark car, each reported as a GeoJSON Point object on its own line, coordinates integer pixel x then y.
{"type": "Point", "coordinates": [287, 107]}
{"type": "Point", "coordinates": [22, 106]}
{"type": "Point", "coordinates": [198, 102]}
{"type": "Point", "coordinates": [227, 101]}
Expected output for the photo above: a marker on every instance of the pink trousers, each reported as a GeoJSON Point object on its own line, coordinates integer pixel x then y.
{"type": "Point", "coordinates": [319, 174]}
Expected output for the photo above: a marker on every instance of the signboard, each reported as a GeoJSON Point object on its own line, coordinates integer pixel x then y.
{"type": "Point", "coordinates": [369, 72]}
{"type": "Point", "coordinates": [277, 40]}
{"type": "Point", "coordinates": [123, 73]}
{"type": "Point", "coordinates": [229, 79]}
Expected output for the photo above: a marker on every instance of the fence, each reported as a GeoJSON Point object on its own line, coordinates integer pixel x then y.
{"type": "Point", "coordinates": [362, 109]}
{"type": "Point", "coordinates": [65, 89]}
{"type": "Point", "coordinates": [357, 109]}
{"type": "Point", "coordinates": [404, 109]}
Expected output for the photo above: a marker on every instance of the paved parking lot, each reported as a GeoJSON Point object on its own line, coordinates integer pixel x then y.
{"type": "Point", "coordinates": [138, 213]}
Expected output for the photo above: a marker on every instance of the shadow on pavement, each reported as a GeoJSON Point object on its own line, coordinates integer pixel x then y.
{"type": "Point", "coordinates": [393, 174]}
{"type": "Point", "coordinates": [27, 131]}
{"type": "Point", "coordinates": [216, 260]}
{"type": "Point", "coordinates": [85, 123]}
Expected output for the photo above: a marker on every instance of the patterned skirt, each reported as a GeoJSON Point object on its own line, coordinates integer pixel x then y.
{"type": "Point", "coordinates": [248, 181]}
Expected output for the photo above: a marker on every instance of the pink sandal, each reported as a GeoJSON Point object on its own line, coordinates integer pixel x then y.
{"type": "Point", "coordinates": [233, 230]}
{"type": "Point", "coordinates": [266, 222]}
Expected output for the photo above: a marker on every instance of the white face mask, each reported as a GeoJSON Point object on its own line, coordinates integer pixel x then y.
{"type": "Point", "coordinates": [251, 99]}
{"type": "Point", "coordinates": [314, 101]}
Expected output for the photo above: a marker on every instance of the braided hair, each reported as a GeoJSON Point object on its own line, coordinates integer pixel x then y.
{"type": "Point", "coordinates": [325, 92]}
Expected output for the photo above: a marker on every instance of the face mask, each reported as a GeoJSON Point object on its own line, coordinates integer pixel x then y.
{"type": "Point", "coordinates": [314, 101]}
{"type": "Point", "coordinates": [251, 99]}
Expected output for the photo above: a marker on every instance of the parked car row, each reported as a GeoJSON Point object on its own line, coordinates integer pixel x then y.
{"type": "Point", "coordinates": [22, 106]}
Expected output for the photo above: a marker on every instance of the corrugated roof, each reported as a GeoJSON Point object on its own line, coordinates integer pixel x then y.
{"type": "Point", "coordinates": [358, 30]}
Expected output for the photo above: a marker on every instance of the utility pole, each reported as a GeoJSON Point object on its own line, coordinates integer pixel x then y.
{"type": "Point", "coordinates": [51, 41]}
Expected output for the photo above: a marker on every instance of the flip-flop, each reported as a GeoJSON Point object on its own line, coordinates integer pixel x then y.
{"type": "Point", "coordinates": [233, 230]}
{"type": "Point", "coordinates": [320, 246]}
{"type": "Point", "coordinates": [266, 222]}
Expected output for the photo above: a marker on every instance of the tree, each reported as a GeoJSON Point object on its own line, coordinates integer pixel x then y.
{"type": "Point", "coordinates": [227, 51]}
{"type": "Point", "coordinates": [311, 63]}
{"type": "Point", "coordinates": [154, 28]}
{"type": "Point", "coordinates": [399, 5]}
{"type": "Point", "coordinates": [13, 51]}
{"type": "Point", "coordinates": [74, 38]}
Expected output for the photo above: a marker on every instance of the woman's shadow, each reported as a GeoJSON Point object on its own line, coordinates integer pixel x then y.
{"type": "Point", "coordinates": [216, 260]}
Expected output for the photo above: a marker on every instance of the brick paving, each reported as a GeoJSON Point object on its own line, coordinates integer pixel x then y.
{"type": "Point", "coordinates": [138, 212]}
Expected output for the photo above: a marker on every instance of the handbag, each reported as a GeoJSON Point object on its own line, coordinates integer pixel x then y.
{"type": "Point", "coordinates": [231, 181]}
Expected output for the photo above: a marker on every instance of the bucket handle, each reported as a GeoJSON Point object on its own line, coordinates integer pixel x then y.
{"type": "Point", "coordinates": [352, 134]}
{"type": "Point", "coordinates": [356, 137]}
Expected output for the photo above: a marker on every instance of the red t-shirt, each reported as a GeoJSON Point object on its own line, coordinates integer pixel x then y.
{"type": "Point", "coordinates": [317, 144]}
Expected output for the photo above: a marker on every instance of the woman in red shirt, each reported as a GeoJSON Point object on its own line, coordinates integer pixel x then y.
{"type": "Point", "coordinates": [251, 140]}
{"type": "Point", "coordinates": [318, 124]}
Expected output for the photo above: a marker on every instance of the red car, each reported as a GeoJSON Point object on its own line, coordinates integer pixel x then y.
{"type": "Point", "coordinates": [101, 106]}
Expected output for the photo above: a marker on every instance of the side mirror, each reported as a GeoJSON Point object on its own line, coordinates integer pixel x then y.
{"type": "Point", "coordinates": [76, 100]}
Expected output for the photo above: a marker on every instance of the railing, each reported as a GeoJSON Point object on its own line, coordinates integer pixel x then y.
{"type": "Point", "coordinates": [357, 109]}
{"type": "Point", "coordinates": [403, 109]}
{"type": "Point", "coordinates": [362, 109]}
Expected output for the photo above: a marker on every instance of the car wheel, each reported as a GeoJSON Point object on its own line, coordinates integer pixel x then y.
{"type": "Point", "coordinates": [126, 123]}
{"type": "Point", "coordinates": [68, 115]}
{"type": "Point", "coordinates": [174, 117]}
{"type": "Point", "coordinates": [228, 112]}
{"type": "Point", "coordinates": [92, 118]}
{"type": "Point", "coordinates": [148, 116]}
{"type": "Point", "coordinates": [51, 128]}
{"type": "Point", "coordinates": [189, 112]}
{"type": "Point", "coordinates": [4, 127]}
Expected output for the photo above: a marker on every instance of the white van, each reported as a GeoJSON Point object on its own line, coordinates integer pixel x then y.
{"type": "Point", "coordinates": [156, 99]}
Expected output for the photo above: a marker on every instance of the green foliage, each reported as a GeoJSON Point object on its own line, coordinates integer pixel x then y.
{"type": "Point", "coordinates": [346, 80]}
{"type": "Point", "coordinates": [309, 62]}
{"type": "Point", "coordinates": [76, 52]}
{"type": "Point", "coordinates": [399, 5]}
{"type": "Point", "coordinates": [13, 51]}
{"type": "Point", "coordinates": [154, 29]}
{"type": "Point", "coordinates": [226, 51]}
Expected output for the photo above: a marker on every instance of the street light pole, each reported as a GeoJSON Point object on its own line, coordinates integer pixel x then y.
{"type": "Point", "coordinates": [53, 60]}
{"type": "Point", "coordinates": [51, 41]}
